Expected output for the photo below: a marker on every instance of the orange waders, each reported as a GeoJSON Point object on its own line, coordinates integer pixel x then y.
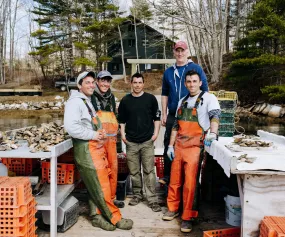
{"type": "Point", "coordinates": [186, 164]}
{"type": "Point", "coordinates": [110, 124]}
{"type": "Point", "coordinates": [93, 166]}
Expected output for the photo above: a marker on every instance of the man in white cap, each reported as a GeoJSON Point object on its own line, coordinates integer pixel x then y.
{"type": "Point", "coordinates": [88, 137]}
{"type": "Point", "coordinates": [173, 89]}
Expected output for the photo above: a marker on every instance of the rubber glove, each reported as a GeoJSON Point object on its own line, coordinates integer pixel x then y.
{"type": "Point", "coordinates": [170, 153]}
{"type": "Point", "coordinates": [211, 136]}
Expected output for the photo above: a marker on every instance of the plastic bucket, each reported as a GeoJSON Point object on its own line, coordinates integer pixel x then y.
{"type": "Point", "coordinates": [233, 210]}
{"type": "Point", "coordinates": [121, 187]}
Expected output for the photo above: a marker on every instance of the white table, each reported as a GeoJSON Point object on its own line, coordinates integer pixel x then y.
{"type": "Point", "coordinates": [261, 183]}
{"type": "Point", "coordinates": [55, 194]}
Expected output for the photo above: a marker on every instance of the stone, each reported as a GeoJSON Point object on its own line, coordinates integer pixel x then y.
{"type": "Point", "coordinates": [275, 111]}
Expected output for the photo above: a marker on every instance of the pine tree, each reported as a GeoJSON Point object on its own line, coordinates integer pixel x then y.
{"type": "Point", "coordinates": [55, 33]}
{"type": "Point", "coordinates": [102, 28]}
{"type": "Point", "coordinates": [259, 57]}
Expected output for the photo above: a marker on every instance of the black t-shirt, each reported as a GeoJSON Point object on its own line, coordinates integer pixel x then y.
{"type": "Point", "coordinates": [139, 114]}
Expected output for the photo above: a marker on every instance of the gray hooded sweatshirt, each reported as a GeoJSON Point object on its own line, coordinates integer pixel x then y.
{"type": "Point", "coordinates": [77, 120]}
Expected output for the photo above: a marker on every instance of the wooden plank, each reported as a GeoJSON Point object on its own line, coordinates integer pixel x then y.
{"type": "Point", "coordinates": [148, 224]}
{"type": "Point", "coordinates": [151, 61]}
{"type": "Point", "coordinates": [20, 90]}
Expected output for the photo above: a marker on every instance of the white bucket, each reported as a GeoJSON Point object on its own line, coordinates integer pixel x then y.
{"type": "Point", "coordinates": [233, 210]}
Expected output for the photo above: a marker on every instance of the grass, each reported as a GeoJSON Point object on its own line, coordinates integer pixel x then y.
{"type": "Point", "coordinates": [152, 83]}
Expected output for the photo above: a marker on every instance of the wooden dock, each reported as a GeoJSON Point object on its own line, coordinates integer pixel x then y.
{"type": "Point", "coordinates": [148, 223]}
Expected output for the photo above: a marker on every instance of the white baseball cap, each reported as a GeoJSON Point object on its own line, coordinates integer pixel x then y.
{"type": "Point", "coordinates": [84, 74]}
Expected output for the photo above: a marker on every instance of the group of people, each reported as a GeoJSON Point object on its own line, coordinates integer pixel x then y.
{"type": "Point", "coordinates": [190, 115]}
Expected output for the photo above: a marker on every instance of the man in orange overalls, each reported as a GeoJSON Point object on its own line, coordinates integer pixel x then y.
{"type": "Point", "coordinates": [104, 103]}
{"type": "Point", "coordinates": [197, 113]}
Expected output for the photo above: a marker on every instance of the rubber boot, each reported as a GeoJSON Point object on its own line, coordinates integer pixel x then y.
{"type": "Point", "coordinates": [92, 208]}
{"type": "Point", "coordinates": [101, 222]}
{"type": "Point", "coordinates": [119, 204]}
{"type": "Point", "coordinates": [125, 224]}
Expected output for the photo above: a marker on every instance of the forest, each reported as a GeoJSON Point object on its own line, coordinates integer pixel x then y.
{"type": "Point", "coordinates": [239, 43]}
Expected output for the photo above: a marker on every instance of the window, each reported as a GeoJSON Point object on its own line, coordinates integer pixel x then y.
{"type": "Point", "coordinates": [131, 27]}
{"type": "Point", "coordinates": [145, 42]}
{"type": "Point", "coordinates": [131, 42]}
{"type": "Point", "coordinates": [115, 67]}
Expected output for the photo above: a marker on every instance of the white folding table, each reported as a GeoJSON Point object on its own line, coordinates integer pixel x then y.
{"type": "Point", "coordinates": [55, 194]}
{"type": "Point", "coordinates": [261, 183]}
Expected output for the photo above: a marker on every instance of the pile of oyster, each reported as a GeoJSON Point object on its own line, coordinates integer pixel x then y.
{"type": "Point", "coordinates": [250, 141]}
{"type": "Point", "coordinates": [39, 138]}
{"type": "Point", "coordinates": [6, 144]}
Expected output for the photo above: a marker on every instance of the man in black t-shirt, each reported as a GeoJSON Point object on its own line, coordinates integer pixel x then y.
{"type": "Point", "coordinates": [139, 118]}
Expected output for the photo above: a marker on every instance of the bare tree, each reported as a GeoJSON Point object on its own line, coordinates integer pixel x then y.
{"type": "Point", "coordinates": [205, 21]}
{"type": "Point", "coordinates": [4, 17]}
{"type": "Point", "coordinates": [123, 53]}
{"type": "Point", "coordinates": [134, 13]}
{"type": "Point", "coordinates": [13, 18]}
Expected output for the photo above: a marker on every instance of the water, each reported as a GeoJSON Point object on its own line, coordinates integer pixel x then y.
{"type": "Point", "coordinates": [9, 124]}
{"type": "Point", "coordinates": [251, 127]}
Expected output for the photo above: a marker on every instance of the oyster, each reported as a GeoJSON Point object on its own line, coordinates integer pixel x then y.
{"type": "Point", "coordinates": [40, 138]}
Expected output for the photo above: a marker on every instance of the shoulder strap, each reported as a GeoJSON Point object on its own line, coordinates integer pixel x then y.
{"type": "Point", "coordinates": [183, 103]}
{"type": "Point", "coordinates": [113, 104]}
{"type": "Point", "coordinates": [199, 99]}
{"type": "Point", "coordinates": [88, 107]}
{"type": "Point", "coordinates": [94, 102]}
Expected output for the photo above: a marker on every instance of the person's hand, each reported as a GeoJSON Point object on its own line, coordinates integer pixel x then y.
{"type": "Point", "coordinates": [124, 139]}
{"type": "Point", "coordinates": [98, 136]}
{"type": "Point", "coordinates": [104, 134]}
{"type": "Point", "coordinates": [154, 137]}
{"type": "Point", "coordinates": [210, 137]}
{"type": "Point", "coordinates": [163, 119]}
{"type": "Point", "coordinates": [170, 153]}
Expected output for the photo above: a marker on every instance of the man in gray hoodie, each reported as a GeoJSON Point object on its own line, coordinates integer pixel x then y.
{"type": "Point", "coordinates": [88, 137]}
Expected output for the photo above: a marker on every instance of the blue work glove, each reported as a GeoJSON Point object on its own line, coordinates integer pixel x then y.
{"type": "Point", "coordinates": [211, 136]}
{"type": "Point", "coordinates": [170, 153]}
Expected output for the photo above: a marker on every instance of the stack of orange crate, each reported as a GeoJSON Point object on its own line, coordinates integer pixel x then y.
{"type": "Point", "coordinates": [19, 166]}
{"type": "Point", "coordinates": [17, 208]}
{"type": "Point", "coordinates": [272, 226]}
{"type": "Point", "coordinates": [65, 173]}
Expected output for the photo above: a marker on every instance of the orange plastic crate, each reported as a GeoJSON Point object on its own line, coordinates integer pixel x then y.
{"type": "Point", "coordinates": [159, 164]}
{"type": "Point", "coordinates": [272, 226]}
{"type": "Point", "coordinates": [31, 232]}
{"type": "Point", "coordinates": [65, 173]}
{"type": "Point", "coordinates": [21, 166]}
{"type": "Point", "coordinates": [19, 211]}
{"type": "Point", "coordinates": [18, 231]}
{"type": "Point", "coordinates": [17, 221]}
{"type": "Point", "coordinates": [15, 191]}
{"type": "Point", "coordinates": [232, 232]}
